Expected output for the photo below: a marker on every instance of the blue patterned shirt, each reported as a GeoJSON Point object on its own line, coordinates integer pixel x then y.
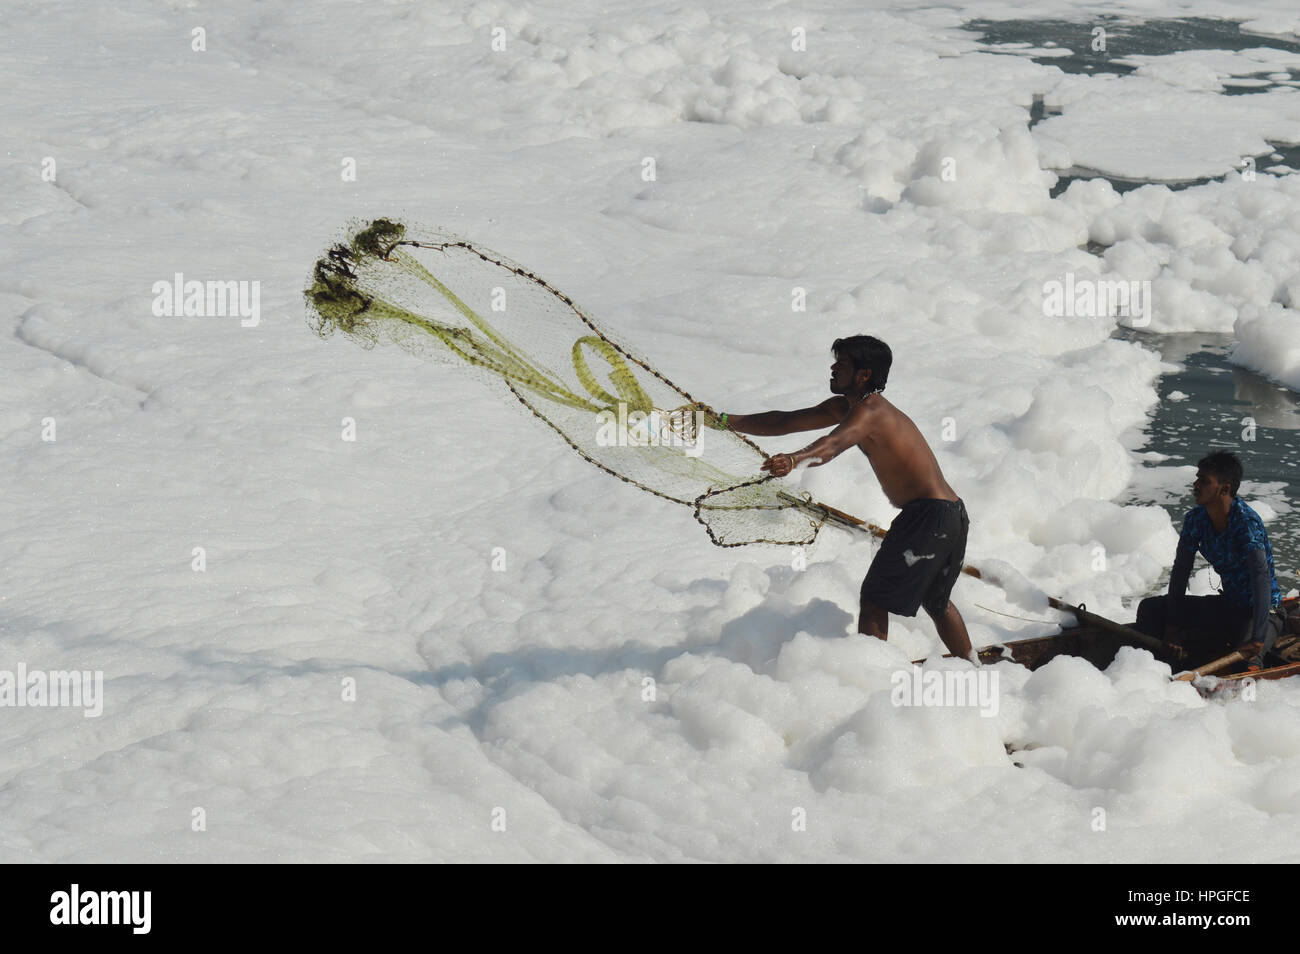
{"type": "Point", "coordinates": [1227, 551]}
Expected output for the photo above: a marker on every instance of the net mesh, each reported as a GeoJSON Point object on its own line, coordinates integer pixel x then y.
{"type": "Point", "coordinates": [430, 295]}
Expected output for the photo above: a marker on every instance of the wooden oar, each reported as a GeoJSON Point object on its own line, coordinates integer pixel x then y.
{"type": "Point", "coordinates": [1101, 622]}
{"type": "Point", "coordinates": [1276, 672]}
{"type": "Point", "coordinates": [1249, 651]}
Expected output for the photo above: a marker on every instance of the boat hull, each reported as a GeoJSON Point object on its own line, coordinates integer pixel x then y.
{"type": "Point", "coordinates": [1100, 646]}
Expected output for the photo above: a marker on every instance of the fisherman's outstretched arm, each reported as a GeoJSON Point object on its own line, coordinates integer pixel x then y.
{"type": "Point", "coordinates": [852, 431]}
{"type": "Point", "coordinates": [834, 444]}
{"type": "Point", "coordinates": [775, 423]}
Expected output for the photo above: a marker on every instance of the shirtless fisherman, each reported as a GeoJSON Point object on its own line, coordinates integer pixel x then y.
{"type": "Point", "coordinates": [922, 556]}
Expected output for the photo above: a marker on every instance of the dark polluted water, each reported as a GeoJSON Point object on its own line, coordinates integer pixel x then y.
{"type": "Point", "coordinates": [1208, 403]}
{"type": "Point", "coordinates": [1124, 38]}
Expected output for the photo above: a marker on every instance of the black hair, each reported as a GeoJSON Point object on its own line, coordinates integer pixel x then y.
{"type": "Point", "coordinates": [865, 353]}
{"type": "Point", "coordinates": [1223, 467]}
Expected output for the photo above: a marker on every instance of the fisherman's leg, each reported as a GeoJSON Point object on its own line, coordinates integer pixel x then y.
{"type": "Point", "coordinates": [1153, 619]}
{"type": "Point", "coordinates": [1222, 625]}
{"type": "Point", "coordinates": [1211, 627]}
{"type": "Point", "coordinates": [950, 528]}
{"type": "Point", "coordinates": [873, 620]}
{"type": "Point", "coordinates": [891, 584]}
{"type": "Point", "coordinates": [1153, 616]}
{"type": "Point", "coordinates": [952, 630]}
{"type": "Point", "coordinates": [879, 596]}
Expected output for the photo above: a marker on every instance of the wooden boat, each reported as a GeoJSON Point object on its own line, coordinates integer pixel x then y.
{"type": "Point", "coordinates": [1099, 645]}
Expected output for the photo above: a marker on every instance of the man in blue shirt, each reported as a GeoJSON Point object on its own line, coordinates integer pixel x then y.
{"type": "Point", "coordinates": [1231, 536]}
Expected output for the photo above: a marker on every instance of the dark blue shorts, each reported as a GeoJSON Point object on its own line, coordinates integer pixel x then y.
{"type": "Point", "coordinates": [920, 560]}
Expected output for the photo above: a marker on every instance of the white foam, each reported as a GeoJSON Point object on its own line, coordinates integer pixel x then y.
{"type": "Point", "coordinates": [352, 677]}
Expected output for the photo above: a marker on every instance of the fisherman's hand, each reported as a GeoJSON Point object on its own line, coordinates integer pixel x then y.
{"type": "Point", "coordinates": [709, 417]}
{"type": "Point", "coordinates": [1253, 651]}
{"type": "Point", "coordinates": [1174, 643]}
{"type": "Point", "coordinates": [780, 465]}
